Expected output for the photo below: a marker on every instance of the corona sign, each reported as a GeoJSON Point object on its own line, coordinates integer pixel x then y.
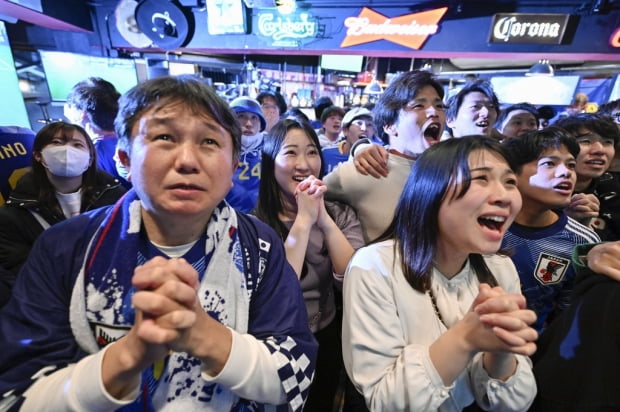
{"type": "Point", "coordinates": [410, 30]}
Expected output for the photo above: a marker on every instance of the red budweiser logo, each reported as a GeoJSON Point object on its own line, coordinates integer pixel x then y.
{"type": "Point", "coordinates": [410, 30]}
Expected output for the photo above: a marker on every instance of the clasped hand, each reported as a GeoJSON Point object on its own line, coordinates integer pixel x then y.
{"type": "Point", "coordinates": [167, 307]}
{"type": "Point", "coordinates": [500, 322]}
{"type": "Point", "coordinates": [309, 195]}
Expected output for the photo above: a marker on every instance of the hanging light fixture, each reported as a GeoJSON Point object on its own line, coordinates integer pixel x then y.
{"type": "Point", "coordinates": [542, 68]}
{"type": "Point", "coordinates": [373, 87]}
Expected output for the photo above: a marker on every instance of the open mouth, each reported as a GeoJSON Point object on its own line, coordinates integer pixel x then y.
{"type": "Point", "coordinates": [432, 131]}
{"type": "Point", "coordinates": [563, 186]}
{"type": "Point", "coordinates": [483, 123]}
{"type": "Point", "coordinates": [492, 222]}
{"type": "Point", "coordinates": [596, 162]}
{"type": "Point", "coordinates": [299, 178]}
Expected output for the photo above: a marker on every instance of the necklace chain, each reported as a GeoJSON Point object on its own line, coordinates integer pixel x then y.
{"type": "Point", "coordinates": [434, 302]}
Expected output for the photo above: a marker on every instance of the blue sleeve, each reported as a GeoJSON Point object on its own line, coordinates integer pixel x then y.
{"type": "Point", "coordinates": [246, 182]}
{"type": "Point", "coordinates": [34, 325]}
{"type": "Point", "coordinates": [278, 317]}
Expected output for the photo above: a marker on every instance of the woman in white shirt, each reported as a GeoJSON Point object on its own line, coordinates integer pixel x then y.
{"type": "Point", "coordinates": [433, 317]}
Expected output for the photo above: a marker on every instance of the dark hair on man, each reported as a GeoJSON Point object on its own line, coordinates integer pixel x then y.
{"type": "Point", "coordinates": [600, 124]}
{"type": "Point", "coordinates": [297, 114]}
{"type": "Point", "coordinates": [609, 108]}
{"type": "Point", "coordinates": [503, 114]}
{"type": "Point", "coordinates": [98, 98]}
{"type": "Point", "coordinates": [403, 89]}
{"type": "Point", "coordinates": [321, 104]}
{"type": "Point", "coordinates": [63, 131]}
{"type": "Point", "coordinates": [277, 97]}
{"type": "Point", "coordinates": [269, 204]}
{"type": "Point", "coordinates": [546, 112]}
{"type": "Point", "coordinates": [479, 85]}
{"type": "Point", "coordinates": [433, 180]}
{"type": "Point", "coordinates": [531, 145]}
{"type": "Point", "coordinates": [185, 89]}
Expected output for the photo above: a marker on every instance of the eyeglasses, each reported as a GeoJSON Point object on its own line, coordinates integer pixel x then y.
{"type": "Point", "coordinates": [362, 123]}
{"type": "Point", "coordinates": [269, 107]}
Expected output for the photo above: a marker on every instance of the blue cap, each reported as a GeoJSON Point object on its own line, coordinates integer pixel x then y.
{"type": "Point", "coordinates": [247, 104]}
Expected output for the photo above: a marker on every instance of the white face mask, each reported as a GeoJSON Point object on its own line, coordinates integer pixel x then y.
{"type": "Point", "coordinates": [65, 160]}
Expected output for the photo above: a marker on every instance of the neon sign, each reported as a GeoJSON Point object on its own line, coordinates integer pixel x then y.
{"type": "Point", "coordinates": [410, 30]}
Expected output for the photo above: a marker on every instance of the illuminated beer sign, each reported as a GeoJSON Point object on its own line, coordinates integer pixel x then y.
{"type": "Point", "coordinates": [287, 30]}
{"type": "Point", "coordinates": [410, 30]}
{"type": "Point", "coordinates": [528, 28]}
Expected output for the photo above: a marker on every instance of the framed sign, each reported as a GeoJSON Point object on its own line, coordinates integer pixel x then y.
{"type": "Point", "coordinates": [226, 17]}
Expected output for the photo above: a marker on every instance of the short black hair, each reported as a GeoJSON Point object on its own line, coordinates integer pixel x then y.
{"type": "Point", "coordinates": [518, 106]}
{"type": "Point", "coordinates": [185, 89]}
{"type": "Point", "coordinates": [528, 147]}
{"type": "Point", "coordinates": [478, 85]}
{"type": "Point", "coordinates": [600, 124]}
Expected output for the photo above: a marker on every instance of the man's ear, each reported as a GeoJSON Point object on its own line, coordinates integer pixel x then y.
{"type": "Point", "coordinates": [390, 130]}
{"type": "Point", "coordinates": [123, 159]}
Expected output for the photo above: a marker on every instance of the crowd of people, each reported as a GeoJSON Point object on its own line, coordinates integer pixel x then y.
{"type": "Point", "coordinates": [168, 249]}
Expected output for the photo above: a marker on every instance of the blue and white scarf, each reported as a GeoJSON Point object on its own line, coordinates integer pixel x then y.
{"type": "Point", "coordinates": [101, 310]}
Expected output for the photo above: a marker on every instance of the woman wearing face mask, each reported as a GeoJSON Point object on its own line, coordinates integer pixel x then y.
{"type": "Point", "coordinates": [64, 181]}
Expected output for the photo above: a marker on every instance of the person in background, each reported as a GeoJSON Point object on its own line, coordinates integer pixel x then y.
{"type": "Point", "coordinates": [319, 239]}
{"type": "Point", "coordinates": [331, 122]}
{"type": "Point", "coordinates": [15, 158]}
{"type": "Point", "coordinates": [246, 181]}
{"type": "Point", "coordinates": [515, 120]}
{"type": "Point", "coordinates": [169, 299]}
{"type": "Point", "coordinates": [319, 106]}
{"type": "Point", "coordinates": [411, 112]}
{"type": "Point", "coordinates": [296, 113]}
{"type": "Point", "coordinates": [473, 110]}
{"type": "Point", "coordinates": [577, 106]}
{"type": "Point", "coordinates": [542, 237]}
{"type": "Point", "coordinates": [612, 109]}
{"type": "Point", "coordinates": [93, 104]}
{"type": "Point", "coordinates": [596, 198]}
{"type": "Point", "coordinates": [576, 363]}
{"type": "Point", "coordinates": [545, 114]}
{"type": "Point", "coordinates": [64, 181]}
{"type": "Point", "coordinates": [433, 317]}
{"type": "Point", "coordinates": [273, 106]}
{"type": "Point", "coordinates": [357, 123]}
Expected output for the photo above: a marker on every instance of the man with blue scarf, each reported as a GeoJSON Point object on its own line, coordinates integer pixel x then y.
{"type": "Point", "coordinates": [169, 299]}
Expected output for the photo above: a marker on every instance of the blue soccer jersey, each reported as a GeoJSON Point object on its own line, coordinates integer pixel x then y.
{"type": "Point", "coordinates": [542, 257]}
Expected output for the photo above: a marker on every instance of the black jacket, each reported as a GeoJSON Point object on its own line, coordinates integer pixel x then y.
{"type": "Point", "coordinates": [577, 364]}
{"type": "Point", "coordinates": [19, 228]}
{"type": "Point", "coordinates": [607, 189]}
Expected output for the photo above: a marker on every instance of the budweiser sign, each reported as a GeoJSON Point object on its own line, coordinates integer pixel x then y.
{"type": "Point", "coordinates": [410, 30]}
{"type": "Point", "coordinates": [529, 28]}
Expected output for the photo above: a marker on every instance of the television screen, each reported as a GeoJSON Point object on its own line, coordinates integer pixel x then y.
{"type": "Point", "coordinates": [63, 70]}
{"type": "Point", "coordinates": [537, 90]}
{"type": "Point", "coordinates": [12, 107]}
{"type": "Point", "coordinates": [176, 68]}
{"type": "Point", "coordinates": [342, 62]}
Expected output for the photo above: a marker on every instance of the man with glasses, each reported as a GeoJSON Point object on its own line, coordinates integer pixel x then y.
{"type": "Point", "coordinates": [272, 105]}
{"type": "Point", "coordinates": [596, 198]}
{"type": "Point", "coordinates": [357, 123]}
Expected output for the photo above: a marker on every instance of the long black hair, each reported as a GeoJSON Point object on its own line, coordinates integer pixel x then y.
{"type": "Point", "coordinates": [432, 180]}
{"type": "Point", "coordinates": [269, 205]}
